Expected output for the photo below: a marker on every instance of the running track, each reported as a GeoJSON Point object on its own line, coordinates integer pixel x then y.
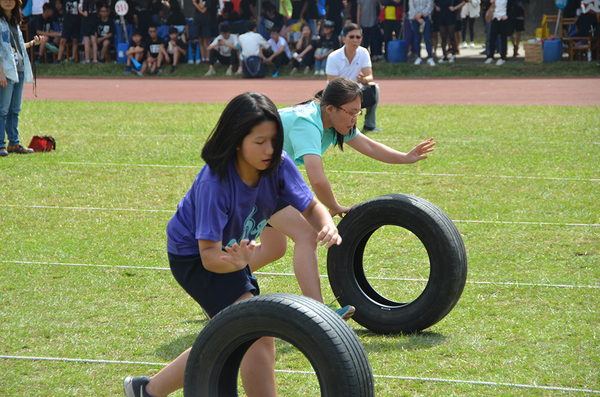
{"type": "Point", "coordinates": [492, 91]}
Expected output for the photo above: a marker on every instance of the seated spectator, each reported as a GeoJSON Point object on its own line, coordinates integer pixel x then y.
{"type": "Point", "coordinates": [325, 46]}
{"type": "Point", "coordinates": [105, 32]}
{"type": "Point", "coordinates": [274, 20]}
{"type": "Point", "coordinates": [279, 53]}
{"type": "Point", "coordinates": [137, 50]}
{"type": "Point", "coordinates": [223, 49]}
{"type": "Point", "coordinates": [305, 50]}
{"type": "Point", "coordinates": [353, 61]}
{"type": "Point", "coordinates": [250, 44]}
{"type": "Point", "coordinates": [176, 49]}
{"type": "Point", "coordinates": [228, 14]}
{"type": "Point", "coordinates": [43, 25]}
{"type": "Point", "coordinates": [155, 51]}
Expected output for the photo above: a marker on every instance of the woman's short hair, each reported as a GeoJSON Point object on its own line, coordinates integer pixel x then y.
{"type": "Point", "coordinates": [239, 117]}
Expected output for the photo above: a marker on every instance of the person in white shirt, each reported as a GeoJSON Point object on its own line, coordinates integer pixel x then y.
{"type": "Point", "coordinates": [500, 26]}
{"type": "Point", "coordinates": [354, 62]}
{"type": "Point", "coordinates": [224, 49]}
{"type": "Point", "coordinates": [279, 53]}
{"type": "Point", "coordinates": [250, 44]}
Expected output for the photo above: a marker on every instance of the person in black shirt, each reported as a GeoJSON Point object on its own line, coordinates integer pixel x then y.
{"type": "Point", "coordinates": [155, 50]}
{"type": "Point", "coordinates": [43, 27]}
{"type": "Point", "coordinates": [176, 49]}
{"type": "Point", "coordinates": [71, 28]}
{"type": "Point", "coordinates": [105, 32]}
{"type": "Point", "coordinates": [87, 9]}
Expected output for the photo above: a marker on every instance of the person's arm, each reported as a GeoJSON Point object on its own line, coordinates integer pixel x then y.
{"type": "Point", "coordinates": [235, 258]}
{"type": "Point", "coordinates": [358, 7]}
{"type": "Point", "coordinates": [457, 7]}
{"type": "Point", "coordinates": [320, 184]}
{"type": "Point", "coordinates": [36, 41]}
{"type": "Point", "coordinates": [214, 44]}
{"type": "Point", "coordinates": [306, 50]}
{"type": "Point", "coordinates": [316, 214]}
{"type": "Point", "coordinates": [365, 76]}
{"type": "Point", "coordinates": [385, 154]}
{"type": "Point", "coordinates": [199, 6]}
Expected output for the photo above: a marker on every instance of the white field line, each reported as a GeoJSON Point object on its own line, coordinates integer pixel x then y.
{"type": "Point", "coordinates": [268, 274]}
{"type": "Point", "coordinates": [353, 172]}
{"type": "Point", "coordinates": [384, 377]}
{"type": "Point", "coordinates": [52, 207]}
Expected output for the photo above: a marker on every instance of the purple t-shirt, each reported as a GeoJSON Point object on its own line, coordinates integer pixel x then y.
{"type": "Point", "coordinates": [229, 210]}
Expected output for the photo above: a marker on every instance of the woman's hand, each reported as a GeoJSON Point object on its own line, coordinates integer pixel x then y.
{"type": "Point", "coordinates": [240, 255]}
{"type": "Point", "coordinates": [329, 236]}
{"type": "Point", "coordinates": [3, 82]}
{"type": "Point", "coordinates": [419, 151]}
{"type": "Point", "coordinates": [340, 211]}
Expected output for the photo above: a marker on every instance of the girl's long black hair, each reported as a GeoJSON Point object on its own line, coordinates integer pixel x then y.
{"type": "Point", "coordinates": [240, 116]}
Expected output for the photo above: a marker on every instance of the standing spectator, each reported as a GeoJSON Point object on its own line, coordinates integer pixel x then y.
{"type": "Point", "coordinates": [87, 9]}
{"type": "Point", "coordinates": [419, 13]}
{"type": "Point", "coordinates": [137, 50]}
{"type": "Point", "coordinates": [43, 27]}
{"type": "Point", "coordinates": [325, 46]}
{"type": "Point", "coordinates": [251, 44]}
{"type": "Point", "coordinates": [156, 51]}
{"type": "Point", "coordinates": [447, 24]}
{"type": "Point", "coordinates": [367, 19]}
{"type": "Point", "coordinates": [228, 14]}
{"type": "Point", "coordinates": [517, 25]}
{"type": "Point", "coordinates": [279, 53]}
{"type": "Point", "coordinates": [71, 29]}
{"type": "Point", "coordinates": [500, 27]}
{"type": "Point", "coordinates": [15, 70]}
{"type": "Point", "coordinates": [353, 61]}
{"type": "Point", "coordinates": [176, 15]}
{"type": "Point", "coordinates": [155, 8]}
{"type": "Point", "coordinates": [435, 30]}
{"type": "Point", "coordinates": [105, 32]}
{"type": "Point", "coordinates": [176, 49]}
{"type": "Point", "coordinates": [469, 13]}
{"type": "Point", "coordinates": [334, 11]}
{"type": "Point", "coordinates": [392, 22]}
{"type": "Point", "coordinates": [304, 54]}
{"type": "Point", "coordinates": [223, 49]}
{"type": "Point", "coordinates": [248, 10]}
{"type": "Point", "coordinates": [203, 21]}
{"type": "Point", "coordinates": [142, 20]}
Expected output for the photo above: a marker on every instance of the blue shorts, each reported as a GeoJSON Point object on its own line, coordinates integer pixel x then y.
{"type": "Point", "coordinates": [213, 291]}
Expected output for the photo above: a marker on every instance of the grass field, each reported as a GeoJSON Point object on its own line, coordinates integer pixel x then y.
{"type": "Point", "coordinates": [84, 283]}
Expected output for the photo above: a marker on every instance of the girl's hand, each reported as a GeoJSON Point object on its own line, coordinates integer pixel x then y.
{"type": "Point", "coordinates": [340, 211]}
{"type": "Point", "coordinates": [240, 255]}
{"type": "Point", "coordinates": [329, 236]}
{"type": "Point", "coordinates": [37, 40]}
{"type": "Point", "coordinates": [3, 82]}
{"type": "Point", "coordinates": [419, 151]}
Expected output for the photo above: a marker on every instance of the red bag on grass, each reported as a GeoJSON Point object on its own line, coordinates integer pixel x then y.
{"type": "Point", "coordinates": [42, 143]}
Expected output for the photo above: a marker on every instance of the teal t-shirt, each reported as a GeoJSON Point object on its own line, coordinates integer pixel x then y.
{"type": "Point", "coordinates": [303, 132]}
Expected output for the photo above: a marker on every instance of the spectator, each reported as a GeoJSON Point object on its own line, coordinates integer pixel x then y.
{"type": "Point", "coordinates": [469, 13]}
{"type": "Point", "coordinates": [447, 25]}
{"type": "Point", "coordinates": [87, 9]}
{"type": "Point", "coordinates": [517, 25]}
{"type": "Point", "coordinates": [500, 27]}
{"type": "Point", "coordinates": [367, 19]}
{"type": "Point", "coordinates": [435, 30]}
{"type": "Point", "coordinates": [334, 12]}
{"type": "Point", "coordinates": [325, 46]}
{"type": "Point", "coordinates": [353, 61]}
{"type": "Point", "coordinates": [59, 19]}
{"type": "Point", "coordinates": [250, 44]}
{"type": "Point", "coordinates": [228, 14]}
{"type": "Point", "coordinates": [279, 53]}
{"type": "Point", "coordinates": [137, 50]}
{"type": "Point", "coordinates": [274, 20]}
{"type": "Point", "coordinates": [155, 8]}
{"type": "Point", "coordinates": [105, 32]}
{"type": "Point", "coordinates": [15, 70]}
{"type": "Point", "coordinates": [392, 21]}
{"type": "Point", "coordinates": [71, 29]}
{"type": "Point", "coordinates": [43, 27]}
{"type": "Point", "coordinates": [248, 10]}
{"type": "Point", "coordinates": [223, 49]}
{"type": "Point", "coordinates": [235, 188]}
{"type": "Point", "coordinates": [176, 15]}
{"type": "Point", "coordinates": [142, 18]}
{"type": "Point", "coordinates": [176, 49]}
{"type": "Point", "coordinates": [156, 51]}
{"type": "Point", "coordinates": [305, 50]}
{"type": "Point", "coordinates": [419, 13]}
{"type": "Point", "coordinates": [205, 16]}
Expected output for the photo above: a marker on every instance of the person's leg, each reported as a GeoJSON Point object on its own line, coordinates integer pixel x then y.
{"type": "Point", "coordinates": [427, 38]}
{"type": "Point", "coordinates": [94, 41]}
{"type": "Point", "coordinates": [87, 48]}
{"type": "Point", "coordinates": [472, 29]}
{"type": "Point", "coordinates": [465, 23]}
{"type": "Point", "coordinates": [12, 117]}
{"type": "Point", "coordinates": [452, 35]}
{"type": "Point", "coordinates": [492, 42]}
{"type": "Point", "coordinates": [371, 115]}
{"type": "Point", "coordinates": [417, 38]}
{"type": "Point", "coordinates": [5, 98]}
{"type": "Point", "coordinates": [258, 369]}
{"type": "Point", "coordinates": [289, 222]}
{"type": "Point", "coordinates": [503, 26]}
{"type": "Point", "coordinates": [444, 34]}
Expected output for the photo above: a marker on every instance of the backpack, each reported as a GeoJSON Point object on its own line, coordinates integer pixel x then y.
{"type": "Point", "coordinates": [42, 144]}
{"type": "Point", "coordinates": [253, 67]}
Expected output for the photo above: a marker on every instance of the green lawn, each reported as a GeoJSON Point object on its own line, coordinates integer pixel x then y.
{"type": "Point", "coordinates": [84, 270]}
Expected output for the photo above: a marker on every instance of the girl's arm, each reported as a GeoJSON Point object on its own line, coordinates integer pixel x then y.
{"type": "Point", "coordinates": [316, 214]}
{"type": "Point", "coordinates": [379, 151]}
{"type": "Point", "coordinates": [306, 50]}
{"type": "Point", "coordinates": [235, 258]}
{"type": "Point", "coordinates": [321, 186]}
{"type": "Point", "coordinates": [3, 81]}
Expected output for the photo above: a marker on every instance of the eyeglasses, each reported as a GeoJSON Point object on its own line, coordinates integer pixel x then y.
{"type": "Point", "coordinates": [354, 37]}
{"type": "Point", "coordinates": [353, 115]}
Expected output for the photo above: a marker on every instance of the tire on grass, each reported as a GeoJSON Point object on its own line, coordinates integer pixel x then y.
{"type": "Point", "coordinates": [447, 264]}
{"type": "Point", "coordinates": [334, 351]}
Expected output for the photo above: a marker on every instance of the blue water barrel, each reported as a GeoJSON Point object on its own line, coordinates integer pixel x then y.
{"type": "Point", "coordinates": [398, 51]}
{"type": "Point", "coordinates": [552, 50]}
{"type": "Point", "coordinates": [122, 52]}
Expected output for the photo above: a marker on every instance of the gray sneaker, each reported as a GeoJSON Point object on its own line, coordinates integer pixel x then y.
{"type": "Point", "coordinates": [136, 387]}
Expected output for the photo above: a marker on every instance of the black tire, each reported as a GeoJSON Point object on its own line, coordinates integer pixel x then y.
{"type": "Point", "coordinates": [339, 360]}
{"type": "Point", "coordinates": [447, 264]}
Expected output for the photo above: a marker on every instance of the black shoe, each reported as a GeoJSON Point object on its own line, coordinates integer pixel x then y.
{"type": "Point", "coordinates": [173, 69]}
{"type": "Point", "coordinates": [136, 387]}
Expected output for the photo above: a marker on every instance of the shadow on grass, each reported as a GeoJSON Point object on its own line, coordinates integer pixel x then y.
{"type": "Point", "coordinates": [172, 349]}
{"type": "Point", "coordinates": [373, 342]}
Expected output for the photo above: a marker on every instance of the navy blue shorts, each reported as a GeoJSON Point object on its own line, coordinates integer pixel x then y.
{"type": "Point", "coordinates": [213, 291]}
